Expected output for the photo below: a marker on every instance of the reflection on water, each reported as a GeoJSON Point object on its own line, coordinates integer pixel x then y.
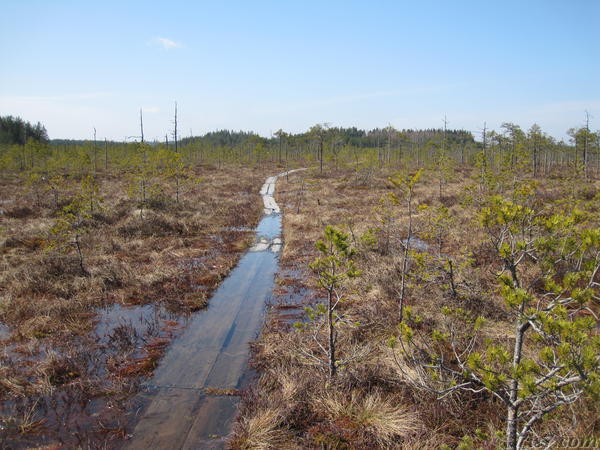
{"type": "Point", "coordinates": [212, 352]}
{"type": "Point", "coordinates": [142, 320]}
{"type": "Point", "coordinates": [269, 227]}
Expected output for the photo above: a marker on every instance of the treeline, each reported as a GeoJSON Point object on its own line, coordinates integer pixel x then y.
{"type": "Point", "coordinates": [14, 130]}
{"type": "Point", "coordinates": [377, 137]}
{"type": "Point", "coordinates": [508, 149]}
{"type": "Point", "coordinates": [222, 138]}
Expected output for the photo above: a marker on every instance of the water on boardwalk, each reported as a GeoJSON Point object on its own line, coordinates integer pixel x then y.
{"type": "Point", "coordinates": [212, 352]}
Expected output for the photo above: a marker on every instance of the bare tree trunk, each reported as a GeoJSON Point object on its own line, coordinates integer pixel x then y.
{"type": "Point", "coordinates": [485, 155]}
{"type": "Point", "coordinates": [280, 144]}
{"type": "Point", "coordinates": [418, 153]}
{"type": "Point", "coordinates": [143, 180]}
{"type": "Point", "coordinates": [535, 157]}
{"type": "Point", "coordinates": [175, 131]}
{"type": "Point", "coordinates": [512, 418]}
{"type": "Point", "coordinates": [405, 258]}
{"type": "Point", "coordinates": [331, 330]}
{"type": "Point", "coordinates": [321, 153]}
{"type": "Point", "coordinates": [23, 161]}
{"type": "Point", "coordinates": [141, 126]}
{"type": "Point", "coordinates": [79, 254]}
{"type": "Point", "coordinates": [511, 427]}
{"type": "Point", "coordinates": [451, 276]}
{"type": "Point", "coordinates": [389, 143]}
{"type": "Point", "coordinates": [585, 145]}
{"type": "Point", "coordinates": [95, 166]}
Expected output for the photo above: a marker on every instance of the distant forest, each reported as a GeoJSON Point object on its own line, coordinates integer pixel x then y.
{"type": "Point", "coordinates": [378, 137]}
{"type": "Point", "coordinates": [24, 146]}
{"type": "Point", "coordinates": [14, 130]}
{"type": "Point", "coordinates": [352, 136]}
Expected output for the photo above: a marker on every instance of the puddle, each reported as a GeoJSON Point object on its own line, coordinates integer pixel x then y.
{"type": "Point", "coordinates": [112, 317]}
{"type": "Point", "coordinates": [67, 416]}
{"type": "Point", "coordinates": [4, 332]}
{"type": "Point", "coordinates": [417, 244]}
{"type": "Point", "coordinates": [292, 296]}
{"type": "Point", "coordinates": [212, 352]}
{"type": "Point", "coordinates": [142, 320]}
{"type": "Point", "coordinates": [201, 262]}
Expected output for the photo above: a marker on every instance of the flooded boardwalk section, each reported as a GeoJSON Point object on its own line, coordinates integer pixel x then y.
{"type": "Point", "coordinates": [212, 353]}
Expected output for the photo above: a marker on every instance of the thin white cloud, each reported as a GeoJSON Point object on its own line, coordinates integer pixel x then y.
{"type": "Point", "coordinates": [165, 43]}
{"type": "Point", "coordinates": [151, 109]}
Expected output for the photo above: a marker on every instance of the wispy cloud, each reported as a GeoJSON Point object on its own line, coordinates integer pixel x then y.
{"type": "Point", "coordinates": [151, 109]}
{"type": "Point", "coordinates": [165, 43]}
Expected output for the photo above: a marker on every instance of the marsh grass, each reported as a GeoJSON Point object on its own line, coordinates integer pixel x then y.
{"type": "Point", "coordinates": [53, 363]}
{"type": "Point", "coordinates": [371, 403]}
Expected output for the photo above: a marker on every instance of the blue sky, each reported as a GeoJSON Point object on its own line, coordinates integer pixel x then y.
{"type": "Point", "coordinates": [265, 65]}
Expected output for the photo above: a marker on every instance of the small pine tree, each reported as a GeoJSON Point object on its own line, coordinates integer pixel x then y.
{"type": "Point", "coordinates": [553, 356]}
{"type": "Point", "coordinates": [90, 193]}
{"type": "Point", "coordinates": [71, 223]}
{"type": "Point", "coordinates": [55, 185]}
{"type": "Point", "coordinates": [175, 171]}
{"type": "Point", "coordinates": [333, 268]}
{"type": "Point", "coordinates": [406, 185]}
{"type": "Point", "coordinates": [34, 181]}
{"type": "Point", "coordinates": [69, 228]}
{"type": "Point", "coordinates": [141, 176]}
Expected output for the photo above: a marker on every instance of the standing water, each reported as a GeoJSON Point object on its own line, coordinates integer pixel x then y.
{"type": "Point", "coordinates": [212, 353]}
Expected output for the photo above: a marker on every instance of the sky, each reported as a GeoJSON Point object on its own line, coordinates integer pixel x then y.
{"type": "Point", "coordinates": [265, 65]}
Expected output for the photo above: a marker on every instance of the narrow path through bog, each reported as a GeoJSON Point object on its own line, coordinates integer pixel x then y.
{"type": "Point", "coordinates": [213, 351]}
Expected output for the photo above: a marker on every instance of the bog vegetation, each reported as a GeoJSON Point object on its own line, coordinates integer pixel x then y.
{"type": "Point", "coordinates": [451, 299]}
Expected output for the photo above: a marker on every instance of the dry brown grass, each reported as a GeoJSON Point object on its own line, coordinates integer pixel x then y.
{"type": "Point", "coordinates": [383, 417]}
{"type": "Point", "coordinates": [371, 404]}
{"type": "Point", "coordinates": [227, 392]}
{"type": "Point", "coordinates": [262, 432]}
